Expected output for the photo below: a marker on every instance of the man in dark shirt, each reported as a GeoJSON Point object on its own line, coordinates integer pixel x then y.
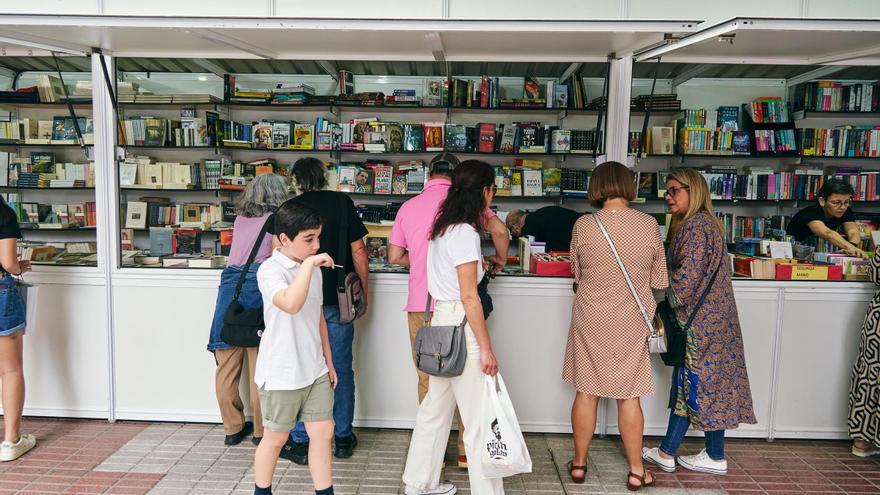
{"type": "Point", "coordinates": [824, 219]}
{"type": "Point", "coordinates": [550, 224]}
{"type": "Point", "coordinates": [309, 175]}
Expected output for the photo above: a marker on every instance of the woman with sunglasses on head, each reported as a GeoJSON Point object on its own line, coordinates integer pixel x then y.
{"type": "Point", "coordinates": [824, 219]}
{"type": "Point", "coordinates": [711, 391]}
{"type": "Point", "coordinates": [455, 266]}
{"type": "Point", "coordinates": [12, 325]}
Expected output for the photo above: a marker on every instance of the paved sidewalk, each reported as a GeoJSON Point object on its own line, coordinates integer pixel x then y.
{"type": "Point", "coordinates": [76, 456]}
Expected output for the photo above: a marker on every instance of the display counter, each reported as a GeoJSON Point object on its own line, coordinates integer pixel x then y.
{"type": "Point", "coordinates": [800, 341]}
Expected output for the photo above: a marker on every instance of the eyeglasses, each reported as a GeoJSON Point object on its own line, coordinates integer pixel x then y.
{"type": "Point", "coordinates": [840, 204]}
{"type": "Point", "coordinates": [672, 191]}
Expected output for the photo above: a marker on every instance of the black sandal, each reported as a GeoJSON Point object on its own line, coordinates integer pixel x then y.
{"type": "Point", "coordinates": [572, 467]}
{"type": "Point", "coordinates": [634, 488]}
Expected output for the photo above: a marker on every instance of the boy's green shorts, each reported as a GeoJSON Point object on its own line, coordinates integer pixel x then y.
{"type": "Point", "coordinates": [283, 408]}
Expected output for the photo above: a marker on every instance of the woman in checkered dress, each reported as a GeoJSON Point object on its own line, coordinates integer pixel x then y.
{"type": "Point", "coordinates": [607, 352]}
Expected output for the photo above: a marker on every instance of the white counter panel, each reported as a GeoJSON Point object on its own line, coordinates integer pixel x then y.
{"type": "Point", "coordinates": [66, 349]}
{"type": "Point", "coordinates": [163, 370]}
{"type": "Point", "coordinates": [818, 344]}
{"type": "Point", "coordinates": [800, 339]}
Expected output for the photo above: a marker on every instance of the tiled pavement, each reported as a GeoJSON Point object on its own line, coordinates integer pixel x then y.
{"type": "Point", "coordinates": [163, 458]}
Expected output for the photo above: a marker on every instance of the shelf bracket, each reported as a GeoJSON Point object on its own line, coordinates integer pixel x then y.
{"type": "Point", "coordinates": [689, 74]}
{"type": "Point", "coordinates": [435, 43]}
{"type": "Point", "coordinates": [814, 74]}
{"type": "Point", "coordinates": [570, 70]}
{"type": "Point", "coordinates": [210, 67]}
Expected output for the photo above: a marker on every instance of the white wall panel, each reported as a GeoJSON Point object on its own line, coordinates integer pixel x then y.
{"type": "Point", "coordinates": [528, 9]}
{"type": "Point", "coordinates": [52, 7]}
{"type": "Point", "coordinates": [851, 9]}
{"type": "Point", "coordinates": [712, 11]}
{"type": "Point", "coordinates": [256, 8]}
{"type": "Point", "coordinates": [387, 9]}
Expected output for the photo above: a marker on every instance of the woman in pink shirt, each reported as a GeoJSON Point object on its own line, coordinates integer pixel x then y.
{"type": "Point", "coordinates": [254, 208]}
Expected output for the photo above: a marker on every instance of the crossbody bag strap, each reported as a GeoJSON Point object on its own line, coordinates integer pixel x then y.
{"type": "Point", "coordinates": [428, 313]}
{"type": "Point", "coordinates": [703, 296]}
{"type": "Point", "coordinates": [625, 275]}
{"type": "Point", "coordinates": [250, 260]}
{"type": "Point", "coordinates": [343, 235]}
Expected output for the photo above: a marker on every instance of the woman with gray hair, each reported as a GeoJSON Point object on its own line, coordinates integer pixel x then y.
{"type": "Point", "coordinates": [254, 208]}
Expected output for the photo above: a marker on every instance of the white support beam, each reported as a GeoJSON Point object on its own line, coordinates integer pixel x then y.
{"type": "Point", "coordinates": [815, 74]}
{"type": "Point", "coordinates": [107, 202]}
{"type": "Point", "coordinates": [209, 66]}
{"type": "Point", "coordinates": [435, 43]}
{"type": "Point", "coordinates": [698, 37]}
{"type": "Point", "coordinates": [230, 42]}
{"type": "Point", "coordinates": [619, 92]}
{"type": "Point", "coordinates": [689, 74]}
{"type": "Point", "coordinates": [42, 44]}
{"type": "Point", "coordinates": [570, 70]}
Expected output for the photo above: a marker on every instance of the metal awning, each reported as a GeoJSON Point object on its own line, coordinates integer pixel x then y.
{"type": "Point", "coordinates": [335, 39]}
{"type": "Point", "coordinates": [775, 41]}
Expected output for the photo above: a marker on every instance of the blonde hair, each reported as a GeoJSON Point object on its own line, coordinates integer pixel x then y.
{"type": "Point", "coordinates": [700, 199]}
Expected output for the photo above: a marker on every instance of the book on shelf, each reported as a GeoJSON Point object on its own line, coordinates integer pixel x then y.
{"type": "Point", "coordinates": [552, 181]}
{"type": "Point", "coordinates": [503, 181]}
{"type": "Point", "coordinates": [844, 141]}
{"type": "Point", "coordinates": [532, 180]}
{"type": "Point", "coordinates": [837, 96]}
{"type": "Point", "coordinates": [136, 215]}
{"type": "Point", "coordinates": [768, 109]}
{"type": "Point", "coordinates": [377, 250]}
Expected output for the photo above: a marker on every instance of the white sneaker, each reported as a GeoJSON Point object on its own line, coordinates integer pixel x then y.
{"type": "Point", "coordinates": [11, 451]}
{"type": "Point", "coordinates": [442, 489]}
{"type": "Point", "coordinates": [653, 456]}
{"type": "Point", "coordinates": [703, 463]}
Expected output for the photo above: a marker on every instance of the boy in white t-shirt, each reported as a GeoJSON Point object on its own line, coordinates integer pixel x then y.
{"type": "Point", "coordinates": [294, 371]}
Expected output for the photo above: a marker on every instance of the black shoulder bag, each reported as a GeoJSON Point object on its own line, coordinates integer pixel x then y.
{"type": "Point", "coordinates": [349, 288]}
{"type": "Point", "coordinates": [244, 327]}
{"type": "Point", "coordinates": [676, 335]}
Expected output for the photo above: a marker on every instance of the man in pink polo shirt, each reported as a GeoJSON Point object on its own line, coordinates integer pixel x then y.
{"type": "Point", "coordinates": [408, 246]}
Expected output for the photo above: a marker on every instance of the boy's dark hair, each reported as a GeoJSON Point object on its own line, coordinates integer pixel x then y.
{"type": "Point", "coordinates": [835, 186]}
{"type": "Point", "coordinates": [309, 174]}
{"type": "Point", "coordinates": [292, 218]}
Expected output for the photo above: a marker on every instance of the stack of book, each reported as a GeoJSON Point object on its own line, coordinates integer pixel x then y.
{"type": "Point", "coordinates": [292, 94]}
{"type": "Point", "coordinates": [661, 103]}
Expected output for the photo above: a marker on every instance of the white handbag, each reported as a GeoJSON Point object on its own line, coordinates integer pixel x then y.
{"type": "Point", "coordinates": [656, 342]}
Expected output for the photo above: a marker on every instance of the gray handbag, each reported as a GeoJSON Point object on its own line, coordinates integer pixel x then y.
{"type": "Point", "coordinates": [656, 342]}
{"type": "Point", "coordinates": [440, 350]}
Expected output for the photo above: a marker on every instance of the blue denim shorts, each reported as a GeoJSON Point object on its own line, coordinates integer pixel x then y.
{"type": "Point", "coordinates": [12, 311]}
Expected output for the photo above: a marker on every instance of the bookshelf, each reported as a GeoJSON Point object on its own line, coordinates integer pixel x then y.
{"type": "Point", "coordinates": [247, 112]}
{"type": "Point", "coordinates": [50, 185]}
{"type": "Point", "coordinates": [743, 214]}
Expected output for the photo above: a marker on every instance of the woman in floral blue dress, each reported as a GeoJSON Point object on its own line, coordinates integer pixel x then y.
{"type": "Point", "coordinates": [711, 391]}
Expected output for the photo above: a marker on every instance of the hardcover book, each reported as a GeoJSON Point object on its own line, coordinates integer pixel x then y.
{"type": "Point", "coordinates": [487, 138]}
{"type": "Point", "coordinates": [377, 250]}
{"type": "Point", "coordinates": [263, 136]}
